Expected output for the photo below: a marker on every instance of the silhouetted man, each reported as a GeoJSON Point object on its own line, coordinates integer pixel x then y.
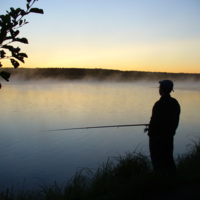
{"type": "Point", "coordinates": [162, 127]}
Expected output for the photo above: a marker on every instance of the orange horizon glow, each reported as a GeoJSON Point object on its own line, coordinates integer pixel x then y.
{"type": "Point", "coordinates": [171, 57]}
{"type": "Point", "coordinates": [162, 36]}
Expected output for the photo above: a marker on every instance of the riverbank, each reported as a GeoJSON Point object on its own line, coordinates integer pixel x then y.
{"type": "Point", "coordinates": [27, 74]}
{"type": "Point", "coordinates": [123, 177]}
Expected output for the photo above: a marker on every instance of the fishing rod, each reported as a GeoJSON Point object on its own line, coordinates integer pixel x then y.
{"type": "Point", "coordinates": [92, 127]}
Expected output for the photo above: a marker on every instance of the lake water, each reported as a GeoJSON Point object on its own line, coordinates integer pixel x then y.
{"type": "Point", "coordinates": [28, 110]}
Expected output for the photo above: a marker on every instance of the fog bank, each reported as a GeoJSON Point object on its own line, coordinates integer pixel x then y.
{"type": "Point", "coordinates": [62, 74]}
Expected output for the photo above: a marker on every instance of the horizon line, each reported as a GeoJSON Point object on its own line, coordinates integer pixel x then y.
{"type": "Point", "coordinates": [100, 69]}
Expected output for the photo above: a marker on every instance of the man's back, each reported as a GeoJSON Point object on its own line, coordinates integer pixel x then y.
{"type": "Point", "coordinates": [165, 117]}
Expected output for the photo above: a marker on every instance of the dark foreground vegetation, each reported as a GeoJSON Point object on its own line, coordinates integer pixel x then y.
{"type": "Point", "coordinates": [95, 74]}
{"type": "Point", "coordinates": [125, 178]}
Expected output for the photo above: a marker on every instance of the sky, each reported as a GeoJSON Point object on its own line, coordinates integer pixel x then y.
{"type": "Point", "coordinates": [139, 35]}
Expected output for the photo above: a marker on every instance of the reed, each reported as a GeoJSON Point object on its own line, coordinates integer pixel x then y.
{"type": "Point", "coordinates": [188, 164]}
{"type": "Point", "coordinates": [128, 176]}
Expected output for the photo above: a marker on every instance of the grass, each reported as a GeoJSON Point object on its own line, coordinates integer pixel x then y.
{"type": "Point", "coordinates": [121, 177]}
{"type": "Point", "coordinates": [189, 164]}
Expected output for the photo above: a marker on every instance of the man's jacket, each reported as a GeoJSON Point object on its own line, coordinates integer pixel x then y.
{"type": "Point", "coordinates": [165, 117]}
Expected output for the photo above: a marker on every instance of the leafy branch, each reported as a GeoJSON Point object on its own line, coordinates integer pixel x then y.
{"type": "Point", "coordinates": [9, 25]}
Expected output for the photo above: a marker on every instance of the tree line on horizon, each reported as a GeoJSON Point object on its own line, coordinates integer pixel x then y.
{"type": "Point", "coordinates": [96, 74]}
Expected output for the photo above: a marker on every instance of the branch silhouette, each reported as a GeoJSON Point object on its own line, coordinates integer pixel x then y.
{"type": "Point", "coordinates": [9, 25]}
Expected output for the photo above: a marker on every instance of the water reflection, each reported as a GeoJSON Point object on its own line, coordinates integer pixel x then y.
{"type": "Point", "coordinates": [27, 152]}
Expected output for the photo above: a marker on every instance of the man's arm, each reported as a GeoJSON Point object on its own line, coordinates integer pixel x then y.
{"type": "Point", "coordinates": [155, 121]}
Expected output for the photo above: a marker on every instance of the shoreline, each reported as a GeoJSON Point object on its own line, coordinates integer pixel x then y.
{"type": "Point", "coordinates": [27, 74]}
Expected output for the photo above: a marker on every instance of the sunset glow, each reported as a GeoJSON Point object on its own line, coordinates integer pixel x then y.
{"type": "Point", "coordinates": [125, 35]}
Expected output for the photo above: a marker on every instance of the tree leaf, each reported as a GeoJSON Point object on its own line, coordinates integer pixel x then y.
{"type": "Point", "coordinates": [16, 33]}
{"type": "Point", "coordinates": [17, 56]}
{"type": "Point", "coordinates": [2, 54]}
{"type": "Point", "coordinates": [23, 13]}
{"type": "Point", "coordinates": [5, 18]}
{"type": "Point", "coordinates": [14, 63]}
{"type": "Point", "coordinates": [29, 1]}
{"type": "Point", "coordinates": [11, 48]}
{"type": "Point", "coordinates": [18, 10]}
{"type": "Point", "coordinates": [14, 22]}
{"type": "Point", "coordinates": [36, 10]}
{"type": "Point", "coordinates": [17, 50]}
{"type": "Point", "coordinates": [12, 34]}
{"type": "Point", "coordinates": [23, 55]}
{"type": "Point", "coordinates": [3, 34]}
{"type": "Point", "coordinates": [14, 13]}
{"type": "Point", "coordinates": [8, 47]}
{"type": "Point", "coordinates": [7, 38]}
{"type": "Point", "coordinates": [20, 22]}
{"type": "Point", "coordinates": [5, 75]}
{"type": "Point", "coordinates": [12, 9]}
{"type": "Point", "coordinates": [23, 40]}
{"type": "Point", "coordinates": [27, 5]}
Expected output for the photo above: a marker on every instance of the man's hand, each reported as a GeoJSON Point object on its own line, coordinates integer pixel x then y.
{"type": "Point", "coordinates": [146, 129]}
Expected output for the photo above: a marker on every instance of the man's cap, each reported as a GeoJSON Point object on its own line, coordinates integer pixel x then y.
{"type": "Point", "coordinates": [167, 84]}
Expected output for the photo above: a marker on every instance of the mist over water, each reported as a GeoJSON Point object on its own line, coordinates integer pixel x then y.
{"type": "Point", "coordinates": [30, 108]}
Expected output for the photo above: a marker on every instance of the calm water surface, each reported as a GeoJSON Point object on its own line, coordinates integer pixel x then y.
{"type": "Point", "coordinates": [28, 151]}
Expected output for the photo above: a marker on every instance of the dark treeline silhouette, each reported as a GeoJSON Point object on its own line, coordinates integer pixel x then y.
{"type": "Point", "coordinates": [96, 74]}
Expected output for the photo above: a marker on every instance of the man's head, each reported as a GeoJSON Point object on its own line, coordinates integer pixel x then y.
{"type": "Point", "coordinates": [166, 86]}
